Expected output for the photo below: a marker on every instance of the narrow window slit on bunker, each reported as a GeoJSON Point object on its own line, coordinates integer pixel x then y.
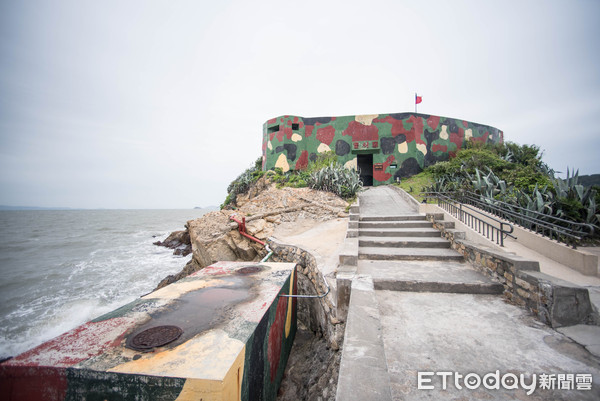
{"type": "Point", "coordinates": [273, 129]}
{"type": "Point", "coordinates": [295, 127]}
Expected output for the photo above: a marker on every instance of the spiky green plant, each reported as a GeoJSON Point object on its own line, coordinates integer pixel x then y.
{"type": "Point", "coordinates": [337, 179]}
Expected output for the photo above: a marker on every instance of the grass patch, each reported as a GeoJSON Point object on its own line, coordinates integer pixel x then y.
{"type": "Point", "coordinates": [416, 184]}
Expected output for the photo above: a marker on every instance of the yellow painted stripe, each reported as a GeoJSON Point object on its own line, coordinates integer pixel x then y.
{"type": "Point", "coordinates": [288, 320]}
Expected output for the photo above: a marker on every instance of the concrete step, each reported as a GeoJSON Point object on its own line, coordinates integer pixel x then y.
{"type": "Point", "coordinates": [471, 333]}
{"type": "Point", "coordinates": [428, 276]}
{"type": "Point", "coordinates": [403, 242]}
{"type": "Point", "coordinates": [417, 217]}
{"type": "Point", "coordinates": [399, 232]}
{"type": "Point", "coordinates": [363, 371]}
{"type": "Point", "coordinates": [394, 224]}
{"type": "Point", "coordinates": [373, 253]}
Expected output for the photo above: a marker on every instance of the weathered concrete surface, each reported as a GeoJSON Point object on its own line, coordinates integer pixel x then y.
{"type": "Point", "coordinates": [374, 253]}
{"type": "Point", "coordinates": [383, 201]}
{"type": "Point", "coordinates": [480, 334]}
{"type": "Point", "coordinates": [323, 239]}
{"type": "Point", "coordinates": [234, 324]}
{"type": "Point", "coordinates": [428, 276]}
{"type": "Point", "coordinates": [586, 335]}
{"type": "Point", "coordinates": [404, 242]}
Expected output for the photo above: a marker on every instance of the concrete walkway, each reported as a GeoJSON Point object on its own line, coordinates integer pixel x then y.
{"type": "Point", "coordinates": [439, 316]}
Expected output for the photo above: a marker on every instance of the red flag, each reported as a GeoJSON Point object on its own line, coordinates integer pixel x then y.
{"type": "Point", "coordinates": [418, 99]}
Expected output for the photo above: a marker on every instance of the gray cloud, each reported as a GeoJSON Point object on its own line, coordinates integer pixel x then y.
{"type": "Point", "coordinates": [155, 105]}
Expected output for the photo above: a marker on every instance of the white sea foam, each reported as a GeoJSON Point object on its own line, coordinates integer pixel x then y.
{"type": "Point", "coordinates": [82, 264]}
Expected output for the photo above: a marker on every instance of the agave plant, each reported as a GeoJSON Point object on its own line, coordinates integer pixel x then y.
{"type": "Point", "coordinates": [337, 179]}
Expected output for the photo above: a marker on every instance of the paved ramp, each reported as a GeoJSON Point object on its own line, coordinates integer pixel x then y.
{"type": "Point", "coordinates": [383, 201]}
{"type": "Point", "coordinates": [416, 306]}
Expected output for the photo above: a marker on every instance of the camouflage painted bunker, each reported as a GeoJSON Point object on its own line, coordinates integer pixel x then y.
{"type": "Point", "coordinates": [222, 333]}
{"type": "Point", "coordinates": [384, 147]}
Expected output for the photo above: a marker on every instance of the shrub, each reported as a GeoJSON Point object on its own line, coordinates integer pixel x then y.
{"type": "Point", "coordinates": [242, 183]}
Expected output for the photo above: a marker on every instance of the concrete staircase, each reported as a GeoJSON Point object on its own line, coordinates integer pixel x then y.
{"type": "Point", "coordinates": [404, 237]}
{"type": "Point", "coordinates": [402, 253]}
{"type": "Point", "coordinates": [414, 304]}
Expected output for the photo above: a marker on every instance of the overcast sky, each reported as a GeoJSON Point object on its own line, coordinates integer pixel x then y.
{"type": "Point", "coordinates": [160, 104]}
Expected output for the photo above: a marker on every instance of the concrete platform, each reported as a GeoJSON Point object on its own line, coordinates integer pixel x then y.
{"type": "Point", "coordinates": [428, 276]}
{"type": "Point", "coordinates": [406, 242]}
{"type": "Point", "coordinates": [403, 217]}
{"type": "Point", "coordinates": [474, 334]}
{"type": "Point", "coordinates": [383, 201]}
{"type": "Point", "coordinates": [235, 334]}
{"type": "Point", "coordinates": [400, 232]}
{"type": "Point", "coordinates": [588, 336]}
{"type": "Point", "coordinates": [394, 224]}
{"type": "Point", "coordinates": [374, 253]}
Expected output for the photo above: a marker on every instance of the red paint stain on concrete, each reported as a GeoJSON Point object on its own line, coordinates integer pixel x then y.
{"type": "Point", "coordinates": [33, 383]}
{"type": "Point", "coordinates": [275, 337]}
{"type": "Point", "coordinates": [81, 343]}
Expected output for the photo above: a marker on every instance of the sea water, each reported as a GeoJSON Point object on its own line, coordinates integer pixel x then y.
{"type": "Point", "coordinates": [60, 269]}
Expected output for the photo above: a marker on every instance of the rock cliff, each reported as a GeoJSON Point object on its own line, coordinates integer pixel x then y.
{"type": "Point", "coordinates": [214, 237]}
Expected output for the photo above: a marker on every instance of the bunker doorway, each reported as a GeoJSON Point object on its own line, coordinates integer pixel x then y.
{"type": "Point", "coordinates": [365, 169]}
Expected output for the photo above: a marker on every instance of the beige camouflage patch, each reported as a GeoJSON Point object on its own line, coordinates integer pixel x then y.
{"type": "Point", "coordinates": [323, 148]}
{"type": "Point", "coordinates": [366, 119]}
{"type": "Point", "coordinates": [351, 164]}
{"type": "Point", "coordinates": [444, 134]}
{"type": "Point", "coordinates": [282, 163]}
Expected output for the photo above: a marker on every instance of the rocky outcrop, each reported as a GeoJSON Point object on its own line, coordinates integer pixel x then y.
{"type": "Point", "coordinates": [215, 237]}
{"type": "Point", "coordinates": [179, 241]}
{"type": "Point", "coordinates": [312, 369]}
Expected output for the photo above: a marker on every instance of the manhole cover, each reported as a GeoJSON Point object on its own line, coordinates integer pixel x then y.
{"type": "Point", "coordinates": [249, 269]}
{"type": "Point", "coordinates": [154, 337]}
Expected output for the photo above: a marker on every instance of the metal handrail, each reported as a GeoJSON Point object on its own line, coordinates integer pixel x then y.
{"type": "Point", "coordinates": [561, 230]}
{"type": "Point", "coordinates": [557, 228]}
{"type": "Point", "coordinates": [481, 225]}
{"type": "Point", "coordinates": [543, 216]}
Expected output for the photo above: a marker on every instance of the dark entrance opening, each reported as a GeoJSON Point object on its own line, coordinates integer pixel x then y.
{"type": "Point", "coordinates": [365, 169]}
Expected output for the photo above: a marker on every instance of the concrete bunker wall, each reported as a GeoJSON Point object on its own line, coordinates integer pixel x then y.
{"type": "Point", "coordinates": [401, 144]}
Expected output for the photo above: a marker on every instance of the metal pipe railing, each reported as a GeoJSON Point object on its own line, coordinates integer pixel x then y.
{"type": "Point", "coordinates": [553, 227]}
{"type": "Point", "coordinates": [465, 214]}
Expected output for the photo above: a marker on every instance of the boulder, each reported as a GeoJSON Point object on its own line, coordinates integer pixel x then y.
{"type": "Point", "coordinates": [214, 237]}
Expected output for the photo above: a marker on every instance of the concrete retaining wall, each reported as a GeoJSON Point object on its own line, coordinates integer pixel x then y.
{"type": "Point", "coordinates": [577, 259]}
{"type": "Point", "coordinates": [554, 301]}
{"type": "Point", "coordinates": [318, 314]}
